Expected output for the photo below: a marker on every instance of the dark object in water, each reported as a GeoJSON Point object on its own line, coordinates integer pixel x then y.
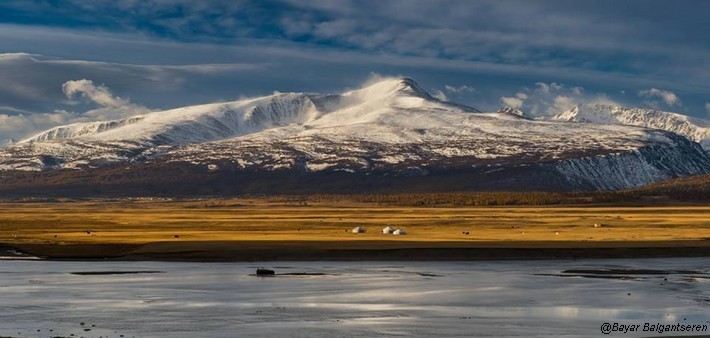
{"type": "Point", "coordinates": [265, 272]}
{"type": "Point", "coordinates": [428, 274]}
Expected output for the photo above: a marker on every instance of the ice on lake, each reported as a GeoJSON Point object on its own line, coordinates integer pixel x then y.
{"type": "Point", "coordinates": [354, 299]}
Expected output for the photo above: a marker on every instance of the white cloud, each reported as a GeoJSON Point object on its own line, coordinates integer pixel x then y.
{"type": "Point", "coordinates": [110, 106]}
{"type": "Point", "coordinates": [543, 87]}
{"type": "Point", "coordinates": [375, 77]}
{"type": "Point", "coordinates": [562, 103]}
{"type": "Point", "coordinates": [15, 127]}
{"type": "Point", "coordinates": [551, 87]}
{"type": "Point", "coordinates": [546, 99]}
{"type": "Point", "coordinates": [601, 99]}
{"type": "Point", "coordinates": [513, 102]}
{"type": "Point", "coordinates": [439, 95]}
{"type": "Point", "coordinates": [668, 97]}
{"type": "Point", "coordinates": [460, 89]}
{"type": "Point", "coordinates": [97, 94]}
{"type": "Point", "coordinates": [335, 28]}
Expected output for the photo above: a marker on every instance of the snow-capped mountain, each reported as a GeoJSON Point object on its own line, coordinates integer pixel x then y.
{"type": "Point", "coordinates": [695, 129]}
{"type": "Point", "coordinates": [511, 111]}
{"type": "Point", "coordinates": [390, 133]}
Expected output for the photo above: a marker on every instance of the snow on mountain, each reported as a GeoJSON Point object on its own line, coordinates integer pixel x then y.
{"type": "Point", "coordinates": [192, 124]}
{"type": "Point", "coordinates": [512, 111]}
{"type": "Point", "coordinates": [695, 129]}
{"type": "Point", "coordinates": [81, 129]}
{"type": "Point", "coordinates": [391, 126]}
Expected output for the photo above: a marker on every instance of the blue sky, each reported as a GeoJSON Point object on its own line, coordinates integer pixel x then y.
{"type": "Point", "coordinates": [542, 56]}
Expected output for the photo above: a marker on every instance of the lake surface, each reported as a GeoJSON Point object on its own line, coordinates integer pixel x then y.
{"type": "Point", "coordinates": [354, 299]}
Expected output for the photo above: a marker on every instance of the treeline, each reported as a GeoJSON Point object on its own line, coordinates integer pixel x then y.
{"type": "Point", "coordinates": [690, 189]}
{"type": "Point", "coordinates": [453, 199]}
{"type": "Point", "coordinates": [693, 188]}
{"type": "Point", "coordinates": [447, 199]}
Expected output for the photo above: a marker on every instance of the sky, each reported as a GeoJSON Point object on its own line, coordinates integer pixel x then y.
{"type": "Point", "coordinates": [66, 61]}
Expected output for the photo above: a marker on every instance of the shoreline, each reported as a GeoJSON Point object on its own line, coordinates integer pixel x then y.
{"type": "Point", "coordinates": [252, 251]}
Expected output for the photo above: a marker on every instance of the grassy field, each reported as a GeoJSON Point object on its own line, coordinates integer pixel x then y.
{"type": "Point", "coordinates": [140, 222]}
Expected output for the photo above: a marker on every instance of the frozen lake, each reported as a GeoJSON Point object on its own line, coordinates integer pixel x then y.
{"type": "Point", "coordinates": [361, 299]}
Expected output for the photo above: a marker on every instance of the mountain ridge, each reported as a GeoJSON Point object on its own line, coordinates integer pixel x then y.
{"type": "Point", "coordinates": [386, 132]}
{"type": "Point", "coordinates": [696, 129]}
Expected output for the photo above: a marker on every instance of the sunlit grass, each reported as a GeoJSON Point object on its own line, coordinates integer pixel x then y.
{"type": "Point", "coordinates": [153, 221]}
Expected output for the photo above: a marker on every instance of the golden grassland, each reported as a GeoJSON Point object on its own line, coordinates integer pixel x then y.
{"type": "Point", "coordinates": [149, 221]}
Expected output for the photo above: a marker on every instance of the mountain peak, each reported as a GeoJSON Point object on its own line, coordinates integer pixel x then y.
{"type": "Point", "coordinates": [410, 86]}
{"type": "Point", "coordinates": [391, 86]}
{"type": "Point", "coordinates": [511, 111]}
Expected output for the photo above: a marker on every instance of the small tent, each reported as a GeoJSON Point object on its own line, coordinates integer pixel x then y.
{"type": "Point", "coordinates": [358, 230]}
{"type": "Point", "coordinates": [388, 230]}
{"type": "Point", "coordinates": [399, 232]}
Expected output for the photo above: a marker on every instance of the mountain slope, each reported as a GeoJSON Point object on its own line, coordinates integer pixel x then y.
{"type": "Point", "coordinates": [388, 135]}
{"type": "Point", "coordinates": [695, 129]}
{"type": "Point", "coordinates": [192, 124]}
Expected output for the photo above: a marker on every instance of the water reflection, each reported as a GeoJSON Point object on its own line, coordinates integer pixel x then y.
{"type": "Point", "coordinates": [366, 299]}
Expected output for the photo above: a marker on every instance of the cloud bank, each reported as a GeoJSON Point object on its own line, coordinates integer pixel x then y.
{"type": "Point", "coordinates": [653, 95]}
{"type": "Point", "coordinates": [514, 101]}
{"type": "Point", "coordinates": [547, 99]}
